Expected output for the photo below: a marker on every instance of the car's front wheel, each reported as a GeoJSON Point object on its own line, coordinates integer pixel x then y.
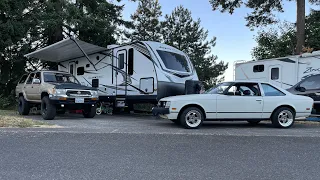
{"type": "Point", "coordinates": [89, 111]}
{"type": "Point", "coordinates": [191, 118]}
{"type": "Point", "coordinates": [48, 110]}
{"type": "Point", "coordinates": [283, 117]}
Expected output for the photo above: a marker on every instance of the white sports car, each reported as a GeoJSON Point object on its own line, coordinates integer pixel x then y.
{"type": "Point", "coordinates": [251, 101]}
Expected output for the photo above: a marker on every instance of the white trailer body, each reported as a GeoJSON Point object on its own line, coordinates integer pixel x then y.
{"type": "Point", "coordinates": [136, 72]}
{"type": "Point", "coordinates": [284, 72]}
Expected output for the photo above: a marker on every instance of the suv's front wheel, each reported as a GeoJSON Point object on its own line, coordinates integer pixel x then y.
{"type": "Point", "coordinates": [89, 111]}
{"type": "Point", "coordinates": [23, 106]}
{"type": "Point", "coordinates": [48, 110]}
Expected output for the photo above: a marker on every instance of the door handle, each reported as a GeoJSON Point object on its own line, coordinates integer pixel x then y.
{"type": "Point", "coordinates": [258, 99]}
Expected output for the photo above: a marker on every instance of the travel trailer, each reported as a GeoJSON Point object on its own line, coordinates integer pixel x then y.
{"type": "Point", "coordinates": [284, 71]}
{"type": "Point", "coordinates": [142, 71]}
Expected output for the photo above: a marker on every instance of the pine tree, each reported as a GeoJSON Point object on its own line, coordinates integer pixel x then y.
{"type": "Point", "coordinates": [181, 31]}
{"type": "Point", "coordinates": [146, 21]}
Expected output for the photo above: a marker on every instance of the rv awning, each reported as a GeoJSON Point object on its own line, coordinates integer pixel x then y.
{"type": "Point", "coordinates": [64, 50]}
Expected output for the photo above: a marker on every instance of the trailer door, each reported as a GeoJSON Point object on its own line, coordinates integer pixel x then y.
{"type": "Point", "coordinates": [275, 75]}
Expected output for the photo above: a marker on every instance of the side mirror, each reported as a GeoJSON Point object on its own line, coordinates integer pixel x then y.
{"type": "Point", "coordinates": [36, 81]}
{"type": "Point", "coordinates": [301, 89]}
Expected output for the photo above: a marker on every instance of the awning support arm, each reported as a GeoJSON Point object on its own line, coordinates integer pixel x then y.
{"type": "Point", "coordinates": [84, 53]}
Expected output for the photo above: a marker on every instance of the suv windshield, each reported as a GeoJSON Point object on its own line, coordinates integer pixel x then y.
{"type": "Point", "coordinates": [219, 89]}
{"type": "Point", "coordinates": [59, 78]}
{"type": "Point", "coordinates": [174, 61]}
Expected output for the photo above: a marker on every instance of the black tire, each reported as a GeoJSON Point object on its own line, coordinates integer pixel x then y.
{"type": "Point", "coordinates": [253, 123]}
{"type": "Point", "coordinates": [282, 123]}
{"type": "Point", "coordinates": [48, 110]}
{"type": "Point", "coordinates": [176, 121]}
{"type": "Point", "coordinates": [89, 111]}
{"type": "Point", "coordinates": [23, 106]}
{"type": "Point", "coordinates": [185, 115]}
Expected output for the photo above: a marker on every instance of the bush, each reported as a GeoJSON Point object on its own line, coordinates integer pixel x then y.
{"type": "Point", "coordinates": [7, 102]}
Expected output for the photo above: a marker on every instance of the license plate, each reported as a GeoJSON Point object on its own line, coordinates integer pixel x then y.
{"type": "Point", "coordinates": [79, 100]}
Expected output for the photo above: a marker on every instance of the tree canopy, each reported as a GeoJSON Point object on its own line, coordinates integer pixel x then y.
{"type": "Point", "coordinates": [180, 30]}
{"type": "Point", "coordinates": [280, 42]}
{"type": "Point", "coordinates": [263, 14]}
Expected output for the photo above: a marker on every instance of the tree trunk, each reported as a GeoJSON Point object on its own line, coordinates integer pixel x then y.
{"type": "Point", "coordinates": [301, 18]}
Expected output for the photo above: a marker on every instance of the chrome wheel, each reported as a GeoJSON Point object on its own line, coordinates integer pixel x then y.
{"type": "Point", "coordinates": [285, 118]}
{"type": "Point", "coordinates": [193, 118]}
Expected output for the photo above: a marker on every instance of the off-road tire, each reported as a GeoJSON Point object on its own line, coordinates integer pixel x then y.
{"type": "Point", "coordinates": [275, 117]}
{"type": "Point", "coordinates": [183, 118]}
{"type": "Point", "coordinates": [89, 111]}
{"type": "Point", "coordinates": [48, 110]}
{"type": "Point", "coordinates": [23, 106]}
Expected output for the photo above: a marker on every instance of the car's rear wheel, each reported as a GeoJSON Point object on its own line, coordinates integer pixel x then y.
{"type": "Point", "coordinates": [89, 111]}
{"type": "Point", "coordinates": [23, 106]}
{"type": "Point", "coordinates": [191, 118]}
{"type": "Point", "coordinates": [48, 110]}
{"type": "Point", "coordinates": [283, 117]}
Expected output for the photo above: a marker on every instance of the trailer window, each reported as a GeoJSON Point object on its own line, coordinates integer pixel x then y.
{"type": "Point", "coordinates": [121, 61]}
{"type": "Point", "coordinates": [80, 70]}
{"type": "Point", "coordinates": [275, 73]}
{"type": "Point", "coordinates": [130, 62]}
{"type": "Point", "coordinates": [174, 61]}
{"type": "Point", "coordinates": [258, 68]}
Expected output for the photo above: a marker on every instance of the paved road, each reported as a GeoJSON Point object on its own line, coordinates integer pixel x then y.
{"type": "Point", "coordinates": [65, 155]}
{"type": "Point", "coordinates": [144, 147]}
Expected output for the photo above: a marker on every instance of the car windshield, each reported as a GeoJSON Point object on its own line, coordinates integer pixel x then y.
{"type": "Point", "coordinates": [59, 78]}
{"type": "Point", "coordinates": [174, 61]}
{"type": "Point", "coordinates": [219, 89]}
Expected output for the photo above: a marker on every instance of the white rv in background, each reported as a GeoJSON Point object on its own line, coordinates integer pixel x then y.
{"type": "Point", "coordinates": [137, 72]}
{"type": "Point", "coordinates": [284, 71]}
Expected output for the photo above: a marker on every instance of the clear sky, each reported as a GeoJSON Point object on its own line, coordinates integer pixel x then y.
{"type": "Point", "coordinates": [235, 41]}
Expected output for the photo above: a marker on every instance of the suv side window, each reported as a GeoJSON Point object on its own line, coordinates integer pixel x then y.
{"type": "Point", "coordinates": [23, 79]}
{"type": "Point", "coordinates": [29, 81]}
{"type": "Point", "coordinates": [271, 91]}
{"type": "Point", "coordinates": [313, 82]}
{"type": "Point", "coordinates": [38, 76]}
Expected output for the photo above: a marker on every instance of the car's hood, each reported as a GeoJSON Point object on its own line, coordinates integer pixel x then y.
{"type": "Point", "coordinates": [188, 97]}
{"type": "Point", "coordinates": [71, 86]}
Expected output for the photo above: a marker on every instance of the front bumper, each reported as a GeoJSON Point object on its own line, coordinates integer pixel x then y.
{"type": "Point", "coordinates": [71, 100]}
{"type": "Point", "coordinates": [160, 110]}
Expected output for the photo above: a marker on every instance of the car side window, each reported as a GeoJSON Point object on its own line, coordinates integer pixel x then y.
{"type": "Point", "coordinates": [23, 79]}
{"type": "Point", "coordinates": [271, 91]}
{"type": "Point", "coordinates": [29, 81]}
{"type": "Point", "coordinates": [312, 82]}
{"type": "Point", "coordinates": [38, 76]}
{"type": "Point", "coordinates": [244, 89]}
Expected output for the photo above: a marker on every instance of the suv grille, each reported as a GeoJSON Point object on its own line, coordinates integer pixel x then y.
{"type": "Point", "coordinates": [78, 93]}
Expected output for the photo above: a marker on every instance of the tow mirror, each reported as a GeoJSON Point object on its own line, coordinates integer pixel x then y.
{"type": "Point", "coordinates": [36, 81]}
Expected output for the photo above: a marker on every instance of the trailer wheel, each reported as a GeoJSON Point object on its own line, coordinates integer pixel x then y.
{"type": "Point", "coordinates": [89, 111]}
{"type": "Point", "coordinates": [48, 110]}
{"type": "Point", "coordinates": [23, 106]}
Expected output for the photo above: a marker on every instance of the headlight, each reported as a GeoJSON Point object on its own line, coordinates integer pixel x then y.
{"type": "Point", "coordinates": [94, 93]}
{"type": "Point", "coordinates": [167, 104]}
{"type": "Point", "coordinates": [61, 91]}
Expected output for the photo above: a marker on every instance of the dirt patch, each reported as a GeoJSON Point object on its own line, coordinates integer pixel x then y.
{"type": "Point", "coordinates": [13, 119]}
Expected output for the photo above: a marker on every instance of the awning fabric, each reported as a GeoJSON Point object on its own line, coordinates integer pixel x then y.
{"type": "Point", "coordinates": [64, 50]}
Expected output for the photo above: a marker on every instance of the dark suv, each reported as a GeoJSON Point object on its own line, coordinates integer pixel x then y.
{"type": "Point", "coordinates": [309, 86]}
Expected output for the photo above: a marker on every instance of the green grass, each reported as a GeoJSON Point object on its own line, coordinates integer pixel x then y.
{"type": "Point", "coordinates": [13, 119]}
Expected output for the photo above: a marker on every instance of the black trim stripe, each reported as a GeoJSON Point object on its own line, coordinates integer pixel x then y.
{"type": "Point", "coordinates": [237, 112]}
